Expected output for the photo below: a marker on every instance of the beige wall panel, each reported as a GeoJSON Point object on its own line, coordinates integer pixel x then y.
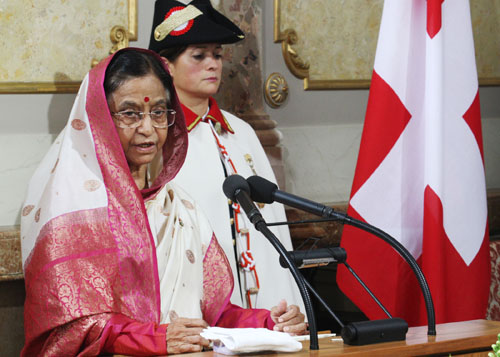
{"type": "Point", "coordinates": [338, 38]}
{"type": "Point", "coordinates": [55, 40]}
{"type": "Point", "coordinates": [486, 24]}
{"type": "Point", "coordinates": [330, 37]}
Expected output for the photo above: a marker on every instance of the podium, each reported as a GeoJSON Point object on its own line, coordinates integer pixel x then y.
{"type": "Point", "coordinates": [467, 338]}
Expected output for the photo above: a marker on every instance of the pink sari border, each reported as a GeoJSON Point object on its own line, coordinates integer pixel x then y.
{"type": "Point", "coordinates": [76, 256]}
{"type": "Point", "coordinates": [127, 215]}
{"type": "Point", "coordinates": [218, 282]}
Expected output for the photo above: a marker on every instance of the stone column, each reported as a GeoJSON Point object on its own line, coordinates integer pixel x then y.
{"type": "Point", "coordinates": [242, 78]}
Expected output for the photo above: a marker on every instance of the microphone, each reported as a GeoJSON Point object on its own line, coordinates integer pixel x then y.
{"type": "Point", "coordinates": [236, 188]}
{"type": "Point", "coordinates": [265, 191]}
{"type": "Point", "coordinates": [317, 257]}
{"type": "Point", "coordinates": [375, 331]}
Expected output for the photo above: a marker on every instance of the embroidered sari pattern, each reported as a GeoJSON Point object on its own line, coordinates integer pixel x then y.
{"type": "Point", "coordinates": [96, 258]}
{"type": "Point", "coordinates": [66, 340]}
{"type": "Point", "coordinates": [127, 216]}
{"type": "Point", "coordinates": [70, 281]}
{"type": "Point", "coordinates": [217, 282]}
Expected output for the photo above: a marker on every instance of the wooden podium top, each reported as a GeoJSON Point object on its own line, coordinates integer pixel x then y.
{"type": "Point", "coordinates": [472, 338]}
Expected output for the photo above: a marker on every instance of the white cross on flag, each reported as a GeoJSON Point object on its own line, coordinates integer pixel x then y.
{"type": "Point", "coordinates": [420, 171]}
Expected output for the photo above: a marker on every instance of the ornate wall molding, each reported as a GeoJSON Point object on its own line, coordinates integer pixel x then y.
{"type": "Point", "coordinates": [297, 62]}
{"type": "Point", "coordinates": [120, 38]}
{"type": "Point", "coordinates": [275, 90]}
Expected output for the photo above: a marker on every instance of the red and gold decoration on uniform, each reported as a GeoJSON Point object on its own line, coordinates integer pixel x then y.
{"type": "Point", "coordinates": [245, 260]}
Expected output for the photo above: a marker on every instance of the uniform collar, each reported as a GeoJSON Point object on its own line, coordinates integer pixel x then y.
{"type": "Point", "coordinates": [214, 114]}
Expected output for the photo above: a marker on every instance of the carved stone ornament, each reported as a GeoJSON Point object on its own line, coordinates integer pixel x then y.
{"type": "Point", "coordinates": [119, 38]}
{"type": "Point", "coordinates": [119, 35]}
{"type": "Point", "coordinates": [285, 33]}
{"type": "Point", "coordinates": [275, 90]}
{"type": "Point", "coordinates": [295, 64]}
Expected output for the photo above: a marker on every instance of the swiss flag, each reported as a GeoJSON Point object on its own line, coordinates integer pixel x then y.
{"type": "Point", "coordinates": [420, 170]}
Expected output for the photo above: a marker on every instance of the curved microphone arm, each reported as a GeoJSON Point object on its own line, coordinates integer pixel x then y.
{"type": "Point", "coordinates": [431, 319]}
{"type": "Point", "coordinates": [261, 226]}
{"type": "Point", "coordinates": [265, 191]}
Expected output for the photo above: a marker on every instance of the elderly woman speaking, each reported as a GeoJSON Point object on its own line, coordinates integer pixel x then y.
{"type": "Point", "coordinates": [116, 259]}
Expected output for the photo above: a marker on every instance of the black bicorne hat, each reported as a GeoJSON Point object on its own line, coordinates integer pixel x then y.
{"type": "Point", "coordinates": [177, 24]}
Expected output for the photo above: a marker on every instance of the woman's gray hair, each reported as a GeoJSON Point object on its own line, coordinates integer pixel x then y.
{"type": "Point", "coordinates": [132, 63]}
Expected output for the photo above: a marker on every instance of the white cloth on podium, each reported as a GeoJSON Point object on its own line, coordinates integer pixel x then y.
{"type": "Point", "coordinates": [232, 341]}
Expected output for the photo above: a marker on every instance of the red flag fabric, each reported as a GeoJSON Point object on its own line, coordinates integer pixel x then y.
{"type": "Point", "coordinates": [420, 171]}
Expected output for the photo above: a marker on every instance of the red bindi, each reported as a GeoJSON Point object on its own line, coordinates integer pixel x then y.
{"type": "Point", "coordinates": [146, 99]}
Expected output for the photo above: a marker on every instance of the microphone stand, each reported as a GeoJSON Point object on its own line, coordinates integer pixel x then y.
{"type": "Point", "coordinates": [367, 332]}
{"type": "Point", "coordinates": [261, 226]}
{"type": "Point", "coordinates": [325, 211]}
{"type": "Point", "coordinates": [338, 255]}
{"type": "Point", "coordinates": [406, 255]}
{"type": "Point", "coordinates": [268, 192]}
{"type": "Point", "coordinates": [355, 333]}
{"type": "Point", "coordinates": [323, 302]}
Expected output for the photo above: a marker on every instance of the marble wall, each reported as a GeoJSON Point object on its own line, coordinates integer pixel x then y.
{"type": "Point", "coordinates": [325, 154]}
{"type": "Point", "coordinates": [43, 40]}
{"type": "Point", "coordinates": [330, 38]}
{"type": "Point", "coordinates": [20, 157]}
{"type": "Point", "coordinates": [486, 24]}
{"type": "Point", "coordinates": [241, 88]}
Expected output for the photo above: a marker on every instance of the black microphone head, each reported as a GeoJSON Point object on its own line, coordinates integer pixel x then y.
{"type": "Point", "coordinates": [234, 183]}
{"type": "Point", "coordinates": [261, 190]}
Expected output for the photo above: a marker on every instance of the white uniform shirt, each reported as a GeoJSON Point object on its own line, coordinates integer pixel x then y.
{"type": "Point", "coordinates": [202, 176]}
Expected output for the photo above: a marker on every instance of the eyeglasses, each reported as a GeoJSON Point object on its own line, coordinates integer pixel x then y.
{"type": "Point", "coordinates": [131, 119]}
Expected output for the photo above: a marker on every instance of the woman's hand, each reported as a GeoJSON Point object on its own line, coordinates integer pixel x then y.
{"type": "Point", "coordinates": [288, 319]}
{"type": "Point", "coordinates": [183, 335]}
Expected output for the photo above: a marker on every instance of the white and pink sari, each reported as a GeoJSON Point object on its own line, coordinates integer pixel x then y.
{"type": "Point", "coordinates": [106, 265]}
